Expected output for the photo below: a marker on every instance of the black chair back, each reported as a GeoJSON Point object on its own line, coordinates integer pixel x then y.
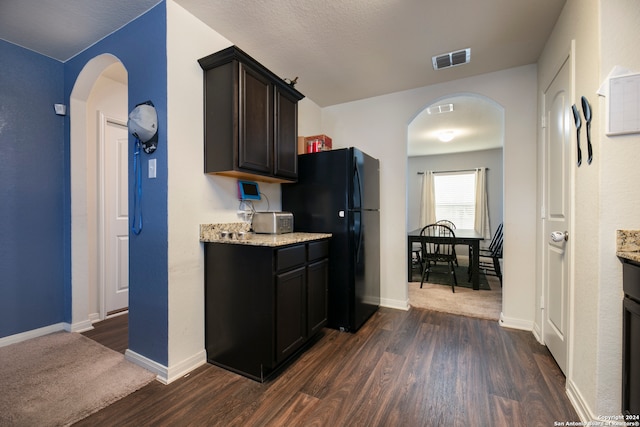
{"type": "Point", "coordinates": [448, 223]}
{"type": "Point", "coordinates": [441, 248]}
{"type": "Point", "coordinates": [438, 247]}
{"type": "Point", "coordinates": [495, 246]}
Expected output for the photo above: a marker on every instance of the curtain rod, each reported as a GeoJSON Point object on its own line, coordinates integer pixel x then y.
{"type": "Point", "coordinates": [460, 170]}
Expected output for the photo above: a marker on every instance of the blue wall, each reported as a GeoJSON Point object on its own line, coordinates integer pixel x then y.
{"type": "Point", "coordinates": [35, 203]}
{"type": "Point", "coordinates": [141, 46]}
{"type": "Point", "coordinates": [32, 176]}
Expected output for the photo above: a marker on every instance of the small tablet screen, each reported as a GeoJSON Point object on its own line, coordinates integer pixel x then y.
{"type": "Point", "coordinates": [248, 190]}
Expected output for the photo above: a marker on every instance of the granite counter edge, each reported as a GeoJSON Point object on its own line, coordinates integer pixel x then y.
{"type": "Point", "coordinates": [209, 234]}
{"type": "Point", "coordinates": [628, 244]}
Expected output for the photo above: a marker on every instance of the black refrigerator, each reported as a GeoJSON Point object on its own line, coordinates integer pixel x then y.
{"type": "Point", "coordinates": [338, 192]}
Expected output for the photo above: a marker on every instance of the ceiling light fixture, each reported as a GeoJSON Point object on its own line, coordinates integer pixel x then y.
{"type": "Point", "coordinates": [446, 135]}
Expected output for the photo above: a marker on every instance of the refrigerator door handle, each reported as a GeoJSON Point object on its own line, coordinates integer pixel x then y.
{"type": "Point", "coordinates": [358, 234]}
{"type": "Point", "coordinates": [356, 174]}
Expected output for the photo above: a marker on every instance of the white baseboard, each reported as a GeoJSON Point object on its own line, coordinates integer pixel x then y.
{"type": "Point", "coordinates": [34, 333]}
{"type": "Point", "coordinates": [394, 303]}
{"type": "Point", "coordinates": [85, 325]}
{"type": "Point", "coordinates": [513, 323]}
{"type": "Point", "coordinates": [537, 333]}
{"type": "Point", "coordinates": [579, 404]}
{"type": "Point", "coordinates": [164, 374]}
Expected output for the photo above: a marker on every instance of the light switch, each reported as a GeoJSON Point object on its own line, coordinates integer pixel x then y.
{"type": "Point", "coordinates": [152, 168]}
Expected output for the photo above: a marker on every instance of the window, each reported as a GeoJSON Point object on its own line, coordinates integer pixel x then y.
{"type": "Point", "coordinates": [455, 195]}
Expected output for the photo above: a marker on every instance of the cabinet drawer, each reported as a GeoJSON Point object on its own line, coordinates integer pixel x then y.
{"type": "Point", "coordinates": [318, 250]}
{"type": "Point", "coordinates": [631, 280]}
{"type": "Point", "coordinates": [290, 257]}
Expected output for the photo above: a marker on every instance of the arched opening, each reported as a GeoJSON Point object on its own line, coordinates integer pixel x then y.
{"type": "Point", "coordinates": [454, 134]}
{"type": "Point", "coordinates": [98, 101]}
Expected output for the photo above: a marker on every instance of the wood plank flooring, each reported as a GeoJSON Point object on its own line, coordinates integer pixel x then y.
{"type": "Point", "coordinates": [414, 368]}
{"type": "Point", "coordinates": [112, 333]}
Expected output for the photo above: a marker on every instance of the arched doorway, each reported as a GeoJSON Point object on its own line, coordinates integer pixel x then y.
{"type": "Point", "coordinates": [475, 127]}
{"type": "Point", "coordinates": [98, 99]}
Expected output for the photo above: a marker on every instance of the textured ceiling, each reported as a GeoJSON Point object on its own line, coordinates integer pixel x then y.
{"type": "Point", "coordinates": [348, 50]}
{"type": "Point", "coordinates": [340, 51]}
{"type": "Point", "coordinates": [60, 29]}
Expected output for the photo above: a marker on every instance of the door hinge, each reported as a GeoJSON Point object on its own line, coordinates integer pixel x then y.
{"type": "Point", "coordinates": [543, 122]}
{"type": "Point", "coordinates": [541, 302]}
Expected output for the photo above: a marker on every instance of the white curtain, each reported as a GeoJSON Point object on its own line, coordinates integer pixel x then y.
{"type": "Point", "coordinates": [427, 200]}
{"type": "Point", "coordinates": [482, 207]}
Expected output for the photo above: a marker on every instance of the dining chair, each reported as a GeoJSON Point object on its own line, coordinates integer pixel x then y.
{"type": "Point", "coordinates": [440, 250]}
{"type": "Point", "coordinates": [416, 255]}
{"type": "Point", "coordinates": [452, 226]}
{"type": "Point", "coordinates": [448, 223]}
{"type": "Point", "coordinates": [490, 256]}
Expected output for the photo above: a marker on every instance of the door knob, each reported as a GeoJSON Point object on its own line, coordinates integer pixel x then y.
{"type": "Point", "coordinates": [559, 236]}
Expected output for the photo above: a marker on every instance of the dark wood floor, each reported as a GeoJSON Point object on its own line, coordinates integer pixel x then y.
{"type": "Point", "coordinates": [415, 368]}
{"type": "Point", "coordinates": [112, 333]}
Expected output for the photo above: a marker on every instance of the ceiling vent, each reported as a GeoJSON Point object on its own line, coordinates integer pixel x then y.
{"type": "Point", "coordinates": [451, 59]}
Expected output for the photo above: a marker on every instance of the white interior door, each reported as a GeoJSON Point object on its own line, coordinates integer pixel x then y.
{"type": "Point", "coordinates": [116, 220]}
{"type": "Point", "coordinates": [558, 161]}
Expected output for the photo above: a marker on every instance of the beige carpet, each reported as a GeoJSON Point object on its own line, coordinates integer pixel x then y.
{"type": "Point", "coordinates": [466, 302]}
{"type": "Point", "coordinates": [58, 379]}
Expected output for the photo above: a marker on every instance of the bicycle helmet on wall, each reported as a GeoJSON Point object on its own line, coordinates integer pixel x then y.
{"type": "Point", "coordinates": [143, 124]}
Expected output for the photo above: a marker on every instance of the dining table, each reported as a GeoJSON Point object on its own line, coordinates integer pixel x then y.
{"type": "Point", "coordinates": [468, 237]}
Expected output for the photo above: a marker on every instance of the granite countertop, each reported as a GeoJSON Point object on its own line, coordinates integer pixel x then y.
{"type": "Point", "coordinates": [628, 244]}
{"type": "Point", "coordinates": [210, 233]}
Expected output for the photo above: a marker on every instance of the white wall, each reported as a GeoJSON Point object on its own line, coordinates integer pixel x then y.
{"type": "Point", "coordinates": [309, 118]}
{"type": "Point", "coordinates": [379, 127]}
{"type": "Point", "coordinates": [619, 196]}
{"type": "Point", "coordinates": [195, 198]}
{"type": "Point", "coordinates": [605, 33]}
{"type": "Point", "coordinates": [490, 159]}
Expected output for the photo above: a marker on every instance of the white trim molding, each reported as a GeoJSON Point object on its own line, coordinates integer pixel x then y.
{"type": "Point", "coordinates": [394, 303]}
{"type": "Point", "coordinates": [83, 326]}
{"type": "Point", "coordinates": [164, 374]}
{"type": "Point", "coordinates": [34, 333]}
{"type": "Point", "coordinates": [578, 402]}
{"type": "Point", "coordinates": [513, 323]}
{"type": "Point", "coordinates": [537, 333]}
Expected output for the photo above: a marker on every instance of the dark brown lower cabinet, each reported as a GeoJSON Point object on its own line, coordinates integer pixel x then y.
{"type": "Point", "coordinates": [291, 312]}
{"type": "Point", "coordinates": [317, 280]}
{"type": "Point", "coordinates": [263, 304]}
{"type": "Point", "coordinates": [631, 339]}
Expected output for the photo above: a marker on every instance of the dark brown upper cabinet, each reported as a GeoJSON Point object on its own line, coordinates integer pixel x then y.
{"type": "Point", "coordinates": [251, 119]}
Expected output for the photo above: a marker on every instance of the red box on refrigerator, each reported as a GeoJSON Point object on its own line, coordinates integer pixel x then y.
{"type": "Point", "coordinates": [318, 143]}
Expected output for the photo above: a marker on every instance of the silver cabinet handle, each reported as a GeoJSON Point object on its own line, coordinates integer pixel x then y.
{"type": "Point", "coordinates": [559, 236]}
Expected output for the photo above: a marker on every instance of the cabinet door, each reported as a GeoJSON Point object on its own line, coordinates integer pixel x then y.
{"type": "Point", "coordinates": [255, 137]}
{"type": "Point", "coordinates": [631, 357]}
{"type": "Point", "coordinates": [291, 312]}
{"type": "Point", "coordinates": [317, 279]}
{"type": "Point", "coordinates": [286, 135]}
